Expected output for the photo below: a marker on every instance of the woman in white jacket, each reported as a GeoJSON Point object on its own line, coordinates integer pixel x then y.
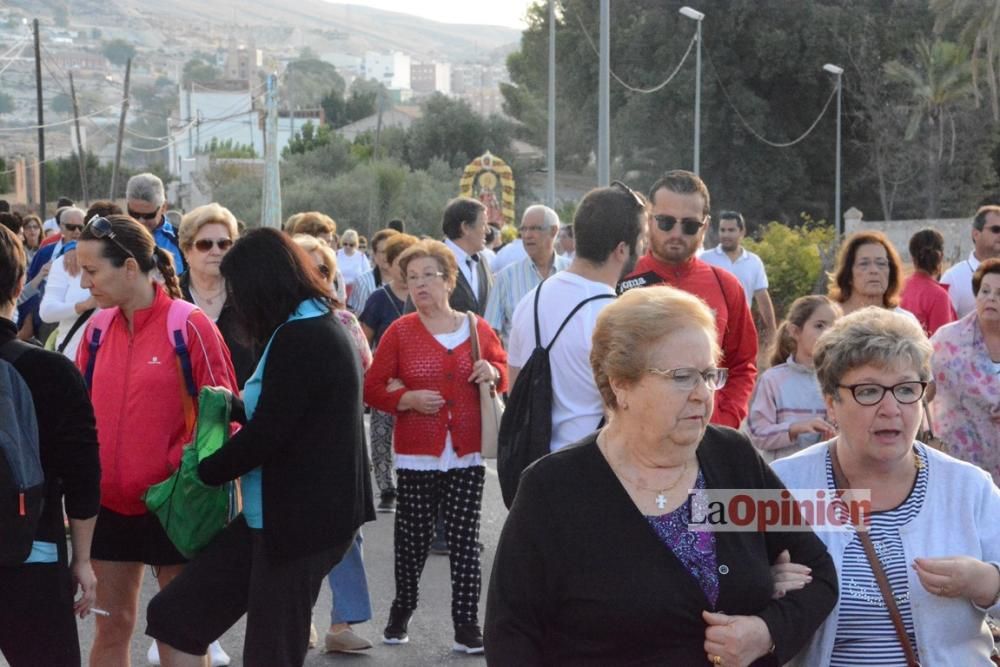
{"type": "Point", "coordinates": [65, 302]}
{"type": "Point", "coordinates": [935, 521]}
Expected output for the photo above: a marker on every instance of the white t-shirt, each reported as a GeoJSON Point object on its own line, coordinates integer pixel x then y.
{"type": "Point", "coordinates": [747, 268]}
{"type": "Point", "coordinates": [577, 407]}
{"type": "Point", "coordinates": [353, 266]}
{"type": "Point", "coordinates": [58, 305]}
{"type": "Point", "coordinates": [959, 281]}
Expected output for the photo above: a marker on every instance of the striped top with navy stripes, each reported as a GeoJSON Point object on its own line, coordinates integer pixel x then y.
{"type": "Point", "coordinates": [865, 633]}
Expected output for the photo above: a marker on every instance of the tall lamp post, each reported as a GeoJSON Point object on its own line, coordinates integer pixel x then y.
{"type": "Point", "coordinates": [838, 222]}
{"type": "Point", "coordinates": [550, 158]}
{"type": "Point", "coordinates": [695, 15]}
{"type": "Point", "coordinates": [604, 99]}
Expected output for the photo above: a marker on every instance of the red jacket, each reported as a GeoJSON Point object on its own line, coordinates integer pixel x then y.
{"type": "Point", "coordinates": [410, 353]}
{"type": "Point", "coordinates": [723, 293]}
{"type": "Point", "coordinates": [929, 301]}
{"type": "Point", "coordinates": [138, 396]}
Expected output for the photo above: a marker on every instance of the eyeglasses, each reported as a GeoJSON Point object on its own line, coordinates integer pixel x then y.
{"type": "Point", "coordinates": [686, 378]}
{"type": "Point", "coordinates": [639, 201]}
{"type": "Point", "coordinates": [423, 278]}
{"type": "Point", "coordinates": [993, 229]}
{"type": "Point", "coordinates": [324, 270]}
{"type": "Point", "coordinates": [101, 228]}
{"type": "Point", "coordinates": [69, 227]}
{"type": "Point", "coordinates": [689, 226]}
{"type": "Point", "coordinates": [205, 245]}
{"type": "Point", "coordinates": [349, 245]}
{"type": "Point", "coordinates": [525, 229]}
{"type": "Point", "coordinates": [869, 394]}
{"type": "Point", "coordinates": [880, 264]}
{"type": "Point", "coordinates": [144, 216]}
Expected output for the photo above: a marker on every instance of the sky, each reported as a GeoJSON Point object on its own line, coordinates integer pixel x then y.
{"type": "Point", "coordinates": [508, 13]}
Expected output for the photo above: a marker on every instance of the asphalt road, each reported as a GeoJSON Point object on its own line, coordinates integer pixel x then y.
{"type": "Point", "coordinates": [431, 632]}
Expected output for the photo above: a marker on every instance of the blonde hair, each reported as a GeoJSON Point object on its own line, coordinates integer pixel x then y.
{"type": "Point", "coordinates": [311, 243]}
{"type": "Point", "coordinates": [312, 223]}
{"type": "Point", "coordinates": [628, 330]}
{"type": "Point", "coordinates": [350, 236]}
{"type": "Point", "coordinates": [799, 312]}
{"type": "Point", "coordinates": [208, 214]}
{"type": "Point", "coordinates": [437, 251]}
{"type": "Point", "coordinates": [871, 336]}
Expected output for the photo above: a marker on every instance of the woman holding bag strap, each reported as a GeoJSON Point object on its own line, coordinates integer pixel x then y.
{"type": "Point", "coordinates": [424, 374]}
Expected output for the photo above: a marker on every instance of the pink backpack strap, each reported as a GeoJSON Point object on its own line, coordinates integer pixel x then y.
{"type": "Point", "coordinates": [177, 317]}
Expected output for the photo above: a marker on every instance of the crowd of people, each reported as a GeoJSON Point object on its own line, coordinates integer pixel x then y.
{"type": "Point", "coordinates": [116, 320]}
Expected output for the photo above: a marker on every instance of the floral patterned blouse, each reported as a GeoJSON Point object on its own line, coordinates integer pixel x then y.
{"type": "Point", "coordinates": [966, 409]}
{"type": "Point", "coordinates": [350, 323]}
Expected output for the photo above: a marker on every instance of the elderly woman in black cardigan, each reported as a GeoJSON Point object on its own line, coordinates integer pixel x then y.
{"type": "Point", "coordinates": [596, 563]}
{"type": "Point", "coordinates": [301, 460]}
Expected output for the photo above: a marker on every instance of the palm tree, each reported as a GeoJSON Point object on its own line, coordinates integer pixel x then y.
{"type": "Point", "coordinates": [939, 80]}
{"type": "Point", "coordinates": [980, 33]}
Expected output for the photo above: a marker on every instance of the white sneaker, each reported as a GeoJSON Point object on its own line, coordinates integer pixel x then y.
{"type": "Point", "coordinates": [218, 657]}
{"type": "Point", "coordinates": [153, 654]}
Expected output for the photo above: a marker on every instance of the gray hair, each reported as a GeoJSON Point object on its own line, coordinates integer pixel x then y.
{"type": "Point", "coordinates": [550, 216]}
{"type": "Point", "coordinates": [72, 211]}
{"type": "Point", "coordinates": [146, 187]}
{"type": "Point", "coordinates": [871, 336]}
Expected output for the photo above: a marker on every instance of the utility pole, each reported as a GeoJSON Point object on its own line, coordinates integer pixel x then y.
{"type": "Point", "coordinates": [271, 206]}
{"type": "Point", "coordinates": [40, 171]}
{"type": "Point", "coordinates": [604, 100]}
{"type": "Point", "coordinates": [81, 156]}
{"type": "Point", "coordinates": [121, 131]}
{"type": "Point", "coordinates": [550, 158]}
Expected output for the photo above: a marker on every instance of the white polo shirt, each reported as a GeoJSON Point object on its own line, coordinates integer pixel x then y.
{"type": "Point", "coordinates": [747, 267]}
{"type": "Point", "coordinates": [959, 281]}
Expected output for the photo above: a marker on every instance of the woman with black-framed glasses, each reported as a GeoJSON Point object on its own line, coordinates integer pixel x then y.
{"type": "Point", "coordinates": [598, 563]}
{"type": "Point", "coordinates": [933, 520]}
{"type": "Point", "coordinates": [145, 404]}
{"type": "Point", "coordinates": [205, 236]}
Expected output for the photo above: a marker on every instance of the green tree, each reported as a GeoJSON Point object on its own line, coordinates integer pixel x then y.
{"type": "Point", "coordinates": [794, 258]}
{"type": "Point", "coordinates": [306, 82]}
{"type": "Point", "coordinates": [118, 51]}
{"type": "Point", "coordinates": [227, 149]}
{"type": "Point", "coordinates": [980, 33]}
{"type": "Point", "coordinates": [4, 177]}
{"type": "Point", "coordinates": [197, 70]}
{"type": "Point", "coordinates": [307, 139]}
{"type": "Point", "coordinates": [938, 82]}
{"type": "Point", "coordinates": [450, 130]}
{"type": "Point", "coordinates": [6, 103]}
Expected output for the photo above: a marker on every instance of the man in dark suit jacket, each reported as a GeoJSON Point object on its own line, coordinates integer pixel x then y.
{"type": "Point", "coordinates": [464, 227]}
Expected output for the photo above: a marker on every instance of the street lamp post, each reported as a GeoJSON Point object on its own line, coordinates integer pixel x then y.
{"type": "Point", "coordinates": [838, 223]}
{"type": "Point", "coordinates": [550, 158]}
{"type": "Point", "coordinates": [695, 15]}
{"type": "Point", "coordinates": [604, 99]}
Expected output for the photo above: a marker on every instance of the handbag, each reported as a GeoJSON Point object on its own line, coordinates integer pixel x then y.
{"type": "Point", "coordinates": [191, 512]}
{"type": "Point", "coordinates": [883, 581]}
{"type": "Point", "coordinates": [490, 404]}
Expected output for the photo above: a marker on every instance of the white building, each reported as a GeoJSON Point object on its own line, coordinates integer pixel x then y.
{"type": "Point", "coordinates": [431, 78]}
{"type": "Point", "coordinates": [390, 69]}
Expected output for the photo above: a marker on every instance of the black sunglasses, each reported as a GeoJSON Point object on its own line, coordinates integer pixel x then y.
{"type": "Point", "coordinates": [639, 201]}
{"type": "Point", "coordinates": [101, 228]}
{"type": "Point", "coordinates": [690, 226]}
{"type": "Point", "coordinates": [70, 227]}
{"type": "Point", "coordinates": [144, 216]}
{"type": "Point", "coordinates": [994, 229]}
{"type": "Point", "coordinates": [205, 245]}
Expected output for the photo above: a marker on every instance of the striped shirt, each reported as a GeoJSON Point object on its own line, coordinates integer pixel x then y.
{"type": "Point", "coordinates": [509, 287]}
{"type": "Point", "coordinates": [865, 633]}
{"type": "Point", "coordinates": [364, 285]}
{"type": "Point", "coordinates": [785, 394]}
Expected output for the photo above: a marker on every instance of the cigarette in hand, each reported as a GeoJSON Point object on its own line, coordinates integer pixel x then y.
{"type": "Point", "coordinates": [100, 612]}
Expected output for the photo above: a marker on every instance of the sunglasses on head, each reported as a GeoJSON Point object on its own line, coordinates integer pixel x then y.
{"type": "Point", "coordinates": [101, 228]}
{"type": "Point", "coordinates": [639, 201]}
{"type": "Point", "coordinates": [205, 245]}
{"type": "Point", "coordinates": [70, 227]}
{"type": "Point", "coordinates": [144, 216]}
{"type": "Point", "coordinates": [689, 226]}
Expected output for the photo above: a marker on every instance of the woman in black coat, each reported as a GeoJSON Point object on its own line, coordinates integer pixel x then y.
{"type": "Point", "coordinates": [301, 460]}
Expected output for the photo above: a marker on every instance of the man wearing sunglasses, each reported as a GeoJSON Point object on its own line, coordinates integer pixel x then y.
{"type": "Point", "coordinates": [147, 202]}
{"type": "Point", "coordinates": [678, 219]}
{"type": "Point", "coordinates": [986, 245]}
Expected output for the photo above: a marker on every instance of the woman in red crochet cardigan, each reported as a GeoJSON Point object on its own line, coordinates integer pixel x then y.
{"type": "Point", "coordinates": [424, 374]}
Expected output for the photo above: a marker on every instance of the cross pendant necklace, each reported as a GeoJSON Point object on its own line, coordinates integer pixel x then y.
{"type": "Point", "coordinates": [661, 500]}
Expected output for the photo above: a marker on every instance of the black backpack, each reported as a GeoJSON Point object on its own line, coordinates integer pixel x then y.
{"type": "Point", "coordinates": [526, 426]}
{"type": "Point", "coordinates": [22, 482]}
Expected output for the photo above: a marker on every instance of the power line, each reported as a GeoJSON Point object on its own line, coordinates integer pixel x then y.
{"type": "Point", "coordinates": [58, 123]}
{"type": "Point", "coordinates": [20, 47]}
{"type": "Point", "coordinates": [753, 132]}
{"type": "Point", "coordinates": [634, 89]}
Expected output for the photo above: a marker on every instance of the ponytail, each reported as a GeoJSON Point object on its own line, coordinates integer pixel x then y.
{"type": "Point", "coordinates": [799, 313]}
{"type": "Point", "coordinates": [783, 345]}
{"type": "Point", "coordinates": [165, 265]}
